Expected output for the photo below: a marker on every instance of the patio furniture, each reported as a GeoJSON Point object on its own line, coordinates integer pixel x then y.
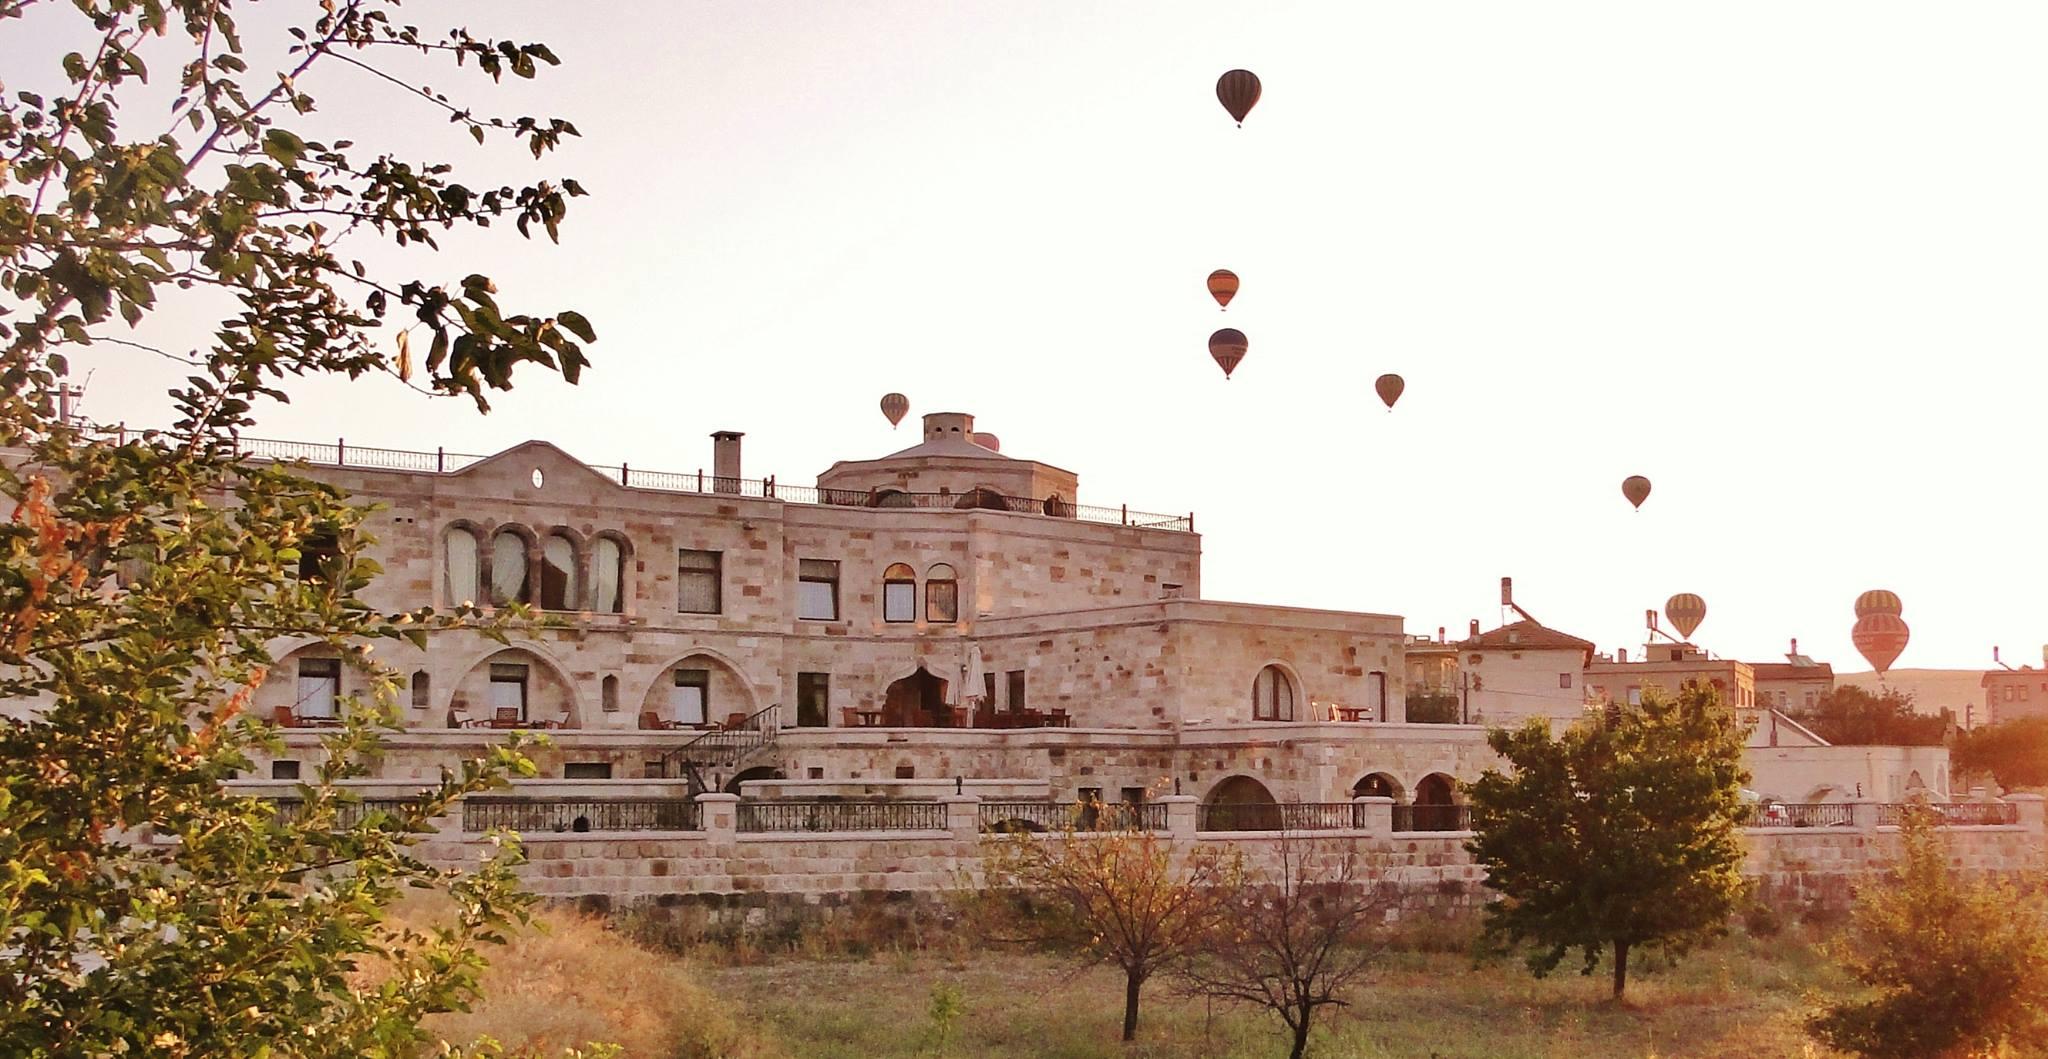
{"type": "Point", "coordinates": [870, 718]}
{"type": "Point", "coordinates": [1352, 713]}
{"type": "Point", "coordinates": [849, 717]}
{"type": "Point", "coordinates": [735, 720]}
{"type": "Point", "coordinates": [507, 717]}
{"type": "Point", "coordinates": [283, 717]}
{"type": "Point", "coordinates": [1059, 719]}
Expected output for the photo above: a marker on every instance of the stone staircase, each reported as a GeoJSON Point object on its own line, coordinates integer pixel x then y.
{"type": "Point", "coordinates": [725, 750]}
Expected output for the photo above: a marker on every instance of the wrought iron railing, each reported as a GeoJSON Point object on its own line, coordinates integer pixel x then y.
{"type": "Point", "coordinates": [1284, 816]}
{"type": "Point", "coordinates": [339, 453]}
{"type": "Point", "coordinates": [1432, 818]}
{"type": "Point", "coordinates": [346, 813]}
{"type": "Point", "coordinates": [1816, 814]}
{"type": "Point", "coordinates": [1075, 816]}
{"type": "Point", "coordinates": [581, 814]}
{"type": "Point", "coordinates": [777, 816]}
{"type": "Point", "coordinates": [1953, 814]}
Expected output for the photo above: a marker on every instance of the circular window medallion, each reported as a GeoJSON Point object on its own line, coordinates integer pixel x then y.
{"type": "Point", "coordinates": [538, 478]}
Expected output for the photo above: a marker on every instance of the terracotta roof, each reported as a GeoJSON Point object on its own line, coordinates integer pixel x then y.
{"type": "Point", "coordinates": [1788, 671]}
{"type": "Point", "coordinates": [1525, 636]}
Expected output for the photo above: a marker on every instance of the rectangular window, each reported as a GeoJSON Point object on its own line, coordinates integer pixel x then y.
{"type": "Point", "coordinates": [284, 770]}
{"type": "Point", "coordinates": [1016, 677]}
{"type": "Point", "coordinates": [988, 690]}
{"type": "Point", "coordinates": [1376, 694]}
{"type": "Point", "coordinates": [817, 589]}
{"type": "Point", "coordinates": [1169, 591]}
{"type": "Point", "coordinates": [691, 696]}
{"type": "Point", "coordinates": [1809, 700]}
{"type": "Point", "coordinates": [1564, 680]}
{"type": "Point", "coordinates": [899, 601]}
{"type": "Point", "coordinates": [319, 687]}
{"type": "Point", "coordinates": [1134, 795]}
{"type": "Point", "coordinates": [508, 690]}
{"type": "Point", "coordinates": [813, 700]}
{"type": "Point", "coordinates": [941, 600]}
{"type": "Point", "coordinates": [587, 770]}
{"type": "Point", "coordinates": [698, 581]}
{"type": "Point", "coordinates": [1635, 696]}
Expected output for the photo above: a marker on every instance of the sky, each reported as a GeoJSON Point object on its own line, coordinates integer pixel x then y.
{"type": "Point", "coordinates": [1783, 259]}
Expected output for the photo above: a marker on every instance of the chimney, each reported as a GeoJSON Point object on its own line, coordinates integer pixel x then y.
{"type": "Point", "coordinates": [1795, 645]}
{"type": "Point", "coordinates": [725, 461]}
{"type": "Point", "coordinates": [1507, 591]}
{"type": "Point", "coordinates": [956, 425]}
{"type": "Point", "coordinates": [1475, 628]}
{"type": "Point", "coordinates": [1621, 654]}
{"type": "Point", "coordinates": [1440, 639]}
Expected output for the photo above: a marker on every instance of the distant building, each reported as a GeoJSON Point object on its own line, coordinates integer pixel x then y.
{"type": "Point", "coordinates": [2014, 694]}
{"type": "Point", "coordinates": [1669, 667]}
{"type": "Point", "coordinates": [1798, 683]}
{"type": "Point", "coordinates": [1524, 670]}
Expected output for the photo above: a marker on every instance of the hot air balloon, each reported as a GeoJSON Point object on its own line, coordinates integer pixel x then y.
{"type": "Point", "coordinates": [1238, 91]}
{"type": "Point", "coordinates": [1223, 286]}
{"type": "Point", "coordinates": [1228, 346]}
{"type": "Point", "coordinates": [894, 405]}
{"type": "Point", "coordinates": [1686, 611]}
{"type": "Point", "coordinates": [1880, 637]}
{"type": "Point", "coordinates": [1389, 387]}
{"type": "Point", "coordinates": [1879, 601]}
{"type": "Point", "coordinates": [1636, 488]}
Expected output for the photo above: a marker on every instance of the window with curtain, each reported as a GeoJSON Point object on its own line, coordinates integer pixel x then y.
{"type": "Point", "coordinates": [610, 563]}
{"type": "Point", "coordinates": [1272, 696]}
{"type": "Point", "coordinates": [899, 594]}
{"type": "Point", "coordinates": [697, 581]}
{"type": "Point", "coordinates": [422, 690]}
{"type": "Point", "coordinates": [558, 587]}
{"type": "Point", "coordinates": [508, 569]}
{"type": "Point", "coordinates": [461, 553]}
{"type": "Point", "coordinates": [690, 697]}
{"type": "Point", "coordinates": [508, 688]}
{"type": "Point", "coordinates": [1016, 688]}
{"type": "Point", "coordinates": [817, 589]}
{"type": "Point", "coordinates": [319, 687]}
{"type": "Point", "coordinates": [941, 594]}
{"type": "Point", "coordinates": [813, 700]}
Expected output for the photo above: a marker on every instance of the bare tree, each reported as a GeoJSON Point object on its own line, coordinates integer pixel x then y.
{"type": "Point", "coordinates": [1296, 936]}
{"type": "Point", "coordinates": [1114, 893]}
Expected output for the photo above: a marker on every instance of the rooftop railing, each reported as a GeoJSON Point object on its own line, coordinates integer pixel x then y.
{"type": "Point", "coordinates": [340, 453]}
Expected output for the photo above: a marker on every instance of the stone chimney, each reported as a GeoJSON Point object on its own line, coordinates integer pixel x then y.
{"type": "Point", "coordinates": [1475, 628]}
{"type": "Point", "coordinates": [725, 461]}
{"type": "Point", "coordinates": [956, 425]}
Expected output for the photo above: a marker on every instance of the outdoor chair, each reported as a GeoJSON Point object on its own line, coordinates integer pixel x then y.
{"type": "Point", "coordinates": [283, 717]}
{"type": "Point", "coordinates": [735, 720]}
{"type": "Point", "coordinates": [506, 717]}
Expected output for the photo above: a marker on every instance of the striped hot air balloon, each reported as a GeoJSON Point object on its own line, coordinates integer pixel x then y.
{"type": "Point", "coordinates": [1238, 91]}
{"type": "Point", "coordinates": [1228, 347]}
{"type": "Point", "coordinates": [1881, 638]}
{"type": "Point", "coordinates": [1686, 611]}
{"type": "Point", "coordinates": [1223, 286]}
{"type": "Point", "coordinates": [894, 405]}
{"type": "Point", "coordinates": [1879, 601]}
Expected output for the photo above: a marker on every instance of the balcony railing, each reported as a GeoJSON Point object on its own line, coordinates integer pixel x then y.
{"type": "Point", "coordinates": [340, 453]}
{"type": "Point", "coordinates": [1432, 818]}
{"type": "Point", "coordinates": [1954, 814]}
{"type": "Point", "coordinates": [782, 816]}
{"type": "Point", "coordinates": [581, 814]}
{"type": "Point", "coordinates": [346, 813]}
{"type": "Point", "coordinates": [1285, 816]}
{"type": "Point", "coordinates": [1075, 816]}
{"type": "Point", "coordinates": [1780, 814]}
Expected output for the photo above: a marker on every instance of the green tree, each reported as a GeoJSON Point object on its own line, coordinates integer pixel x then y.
{"type": "Point", "coordinates": [2015, 753]}
{"type": "Point", "coordinates": [1852, 716]}
{"type": "Point", "coordinates": [143, 583]}
{"type": "Point", "coordinates": [1959, 966]}
{"type": "Point", "coordinates": [1619, 832]}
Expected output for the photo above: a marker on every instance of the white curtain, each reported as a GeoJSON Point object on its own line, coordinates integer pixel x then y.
{"type": "Point", "coordinates": [508, 568]}
{"type": "Point", "coordinates": [461, 550]}
{"type": "Point", "coordinates": [560, 557]}
{"type": "Point", "coordinates": [609, 565]}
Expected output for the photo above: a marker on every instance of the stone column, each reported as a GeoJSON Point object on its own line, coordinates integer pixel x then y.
{"type": "Point", "coordinates": [963, 816]}
{"type": "Point", "coordinates": [1180, 815]}
{"type": "Point", "coordinates": [2032, 810]}
{"type": "Point", "coordinates": [1375, 814]}
{"type": "Point", "coordinates": [1863, 814]}
{"type": "Point", "coordinates": [720, 815]}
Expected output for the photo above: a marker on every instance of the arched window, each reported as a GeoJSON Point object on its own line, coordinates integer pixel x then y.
{"type": "Point", "coordinates": [558, 580]}
{"type": "Point", "coordinates": [899, 593]}
{"type": "Point", "coordinates": [422, 690]}
{"type": "Point", "coordinates": [1272, 696]}
{"type": "Point", "coordinates": [461, 547]}
{"type": "Point", "coordinates": [611, 577]}
{"type": "Point", "coordinates": [610, 692]}
{"type": "Point", "coordinates": [982, 496]}
{"type": "Point", "coordinates": [508, 569]}
{"type": "Point", "coordinates": [941, 594]}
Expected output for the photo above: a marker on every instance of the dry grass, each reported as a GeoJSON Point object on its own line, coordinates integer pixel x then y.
{"type": "Point", "coordinates": [575, 982]}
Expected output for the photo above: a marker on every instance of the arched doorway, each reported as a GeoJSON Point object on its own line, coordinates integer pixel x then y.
{"type": "Point", "coordinates": [1240, 803]}
{"type": "Point", "coordinates": [1377, 785]}
{"type": "Point", "coordinates": [917, 701]}
{"type": "Point", "coordinates": [1435, 807]}
{"type": "Point", "coordinates": [758, 772]}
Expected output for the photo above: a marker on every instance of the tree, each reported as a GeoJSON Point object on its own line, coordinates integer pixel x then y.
{"type": "Point", "coordinates": [1960, 966]}
{"type": "Point", "coordinates": [1619, 832]}
{"type": "Point", "coordinates": [1295, 938]}
{"type": "Point", "coordinates": [1852, 716]}
{"type": "Point", "coordinates": [144, 580]}
{"type": "Point", "coordinates": [2015, 753]}
{"type": "Point", "coordinates": [1115, 894]}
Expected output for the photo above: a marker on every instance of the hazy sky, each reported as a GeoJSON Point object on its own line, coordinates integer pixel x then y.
{"type": "Point", "coordinates": [1784, 259]}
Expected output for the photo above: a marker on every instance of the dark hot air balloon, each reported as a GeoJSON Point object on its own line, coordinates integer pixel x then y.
{"type": "Point", "coordinates": [1238, 91]}
{"type": "Point", "coordinates": [1389, 388]}
{"type": "Point", "coordinates": [1686, 611]}
{"type": "Point", "coordinates": [894, 405]}
{"type": "Point", "coordinates": [1223, 286]}
{"type": "Point", "coordinates": [1636, 488]}
{"type": "Point", "coordinates": [1880, 637]}
{"type": "Point", "coordinates": [1228, 347]}
{"type": "Point", "coordinates": [1879, 601]}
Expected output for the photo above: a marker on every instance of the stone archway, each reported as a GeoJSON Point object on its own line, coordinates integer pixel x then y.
{"type": "Point", "coordinates": [917, 701]}
{"type": "Point", "coordinates": [1378, 785]}
{"type": "Point", "coordinates": [758, 772]}
{"type": "Point", "coordinates": [1240, 803]}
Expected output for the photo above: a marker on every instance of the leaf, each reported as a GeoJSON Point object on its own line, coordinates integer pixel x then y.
{"type": "Point", "coordinates": [283, 147]}
{"type": "Point", "coordinates": [574, 323]}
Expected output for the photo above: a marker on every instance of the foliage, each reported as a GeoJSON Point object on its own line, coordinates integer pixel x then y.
{"type": "Point", "coordinates": [145, 585]}
{"type": "Point", "coordinates": [1424, 708]}
{"type": "Point", "coordinates": [1297, 939]}
{"type": "Point", "coordinates": [1116, 895]}
{"type": "Point", "coordinates": [942, 1012]}
{"type": "Point", "coordinates": [1851, 716]}
{"type": "Point", "coordinates": [2013, 752]}
{"type": "Point", "coordinates": [1619, 832]}
{"type": "Point", "coordinates": [1960, 966]}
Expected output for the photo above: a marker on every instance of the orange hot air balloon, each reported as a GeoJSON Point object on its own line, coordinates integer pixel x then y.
{"type": "Point", "coordinates": [1238, 91]}
{"type": "Point", "coordinates": [1880, 637]}
{"type": "Point", "coordinates": [1686, 611]}
{"type": "Point", "coordinates": [1879, 601]}
{"type": "Point", "coordinates": [1389, 387]}
{"type": "Point", "coordinates": [1636, 488]}
{"type": "Point", "coordinates": [1223, 286]}
{"type": "Point", "coordinates": [1228, 347]}
{"type": "Point", "coordinates": [894, 405]}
